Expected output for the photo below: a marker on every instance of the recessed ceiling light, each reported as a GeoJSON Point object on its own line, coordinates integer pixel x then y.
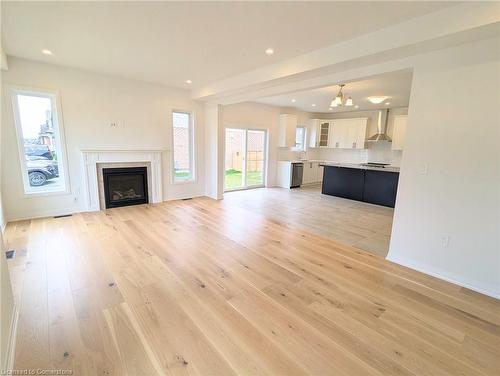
{"type": "Point", "coordinates": [314, 105]}
{"type": "Point", "coordinates": [269, 51]}
{"type": "Point", "coordinates": [294, 100]}
{"type": "Point", "coordinates": [46, 52]}
{"type": "Point", "coordinates": [356, 106]}
{"type": "Point", "coordinates": [377, 100]}
{"type": "Point", "coordinates": [387, 103]}
{"type": "Point", "coordinates": [189, 82]}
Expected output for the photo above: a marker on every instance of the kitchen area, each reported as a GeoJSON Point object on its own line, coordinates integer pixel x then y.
{"type": "Point", "coordinates": [345, 161]}
{"type": "Point", "coordinates": [334, 157]}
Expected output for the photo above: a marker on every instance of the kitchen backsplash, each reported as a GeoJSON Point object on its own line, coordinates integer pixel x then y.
{"type": "Point", "coordinates": [375, 152]}
{"type": "Point", "coordinates": [381, 152]}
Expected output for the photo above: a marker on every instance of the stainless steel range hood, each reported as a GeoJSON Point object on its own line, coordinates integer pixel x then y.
{"type": "Point", "coordinates": [381, 135]}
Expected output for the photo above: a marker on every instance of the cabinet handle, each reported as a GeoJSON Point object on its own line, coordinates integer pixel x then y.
{"type": "Point", "coordinates": [354, 145]}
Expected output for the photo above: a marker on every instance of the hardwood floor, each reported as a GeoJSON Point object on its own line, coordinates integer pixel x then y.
{"type": "Point", "coordinates": [364, 226]}
{"type": "Point", "coordinates": [202, 287]}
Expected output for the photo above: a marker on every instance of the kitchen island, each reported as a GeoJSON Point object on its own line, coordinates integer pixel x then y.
{"type": "Point", "coordinates": [361, 182]}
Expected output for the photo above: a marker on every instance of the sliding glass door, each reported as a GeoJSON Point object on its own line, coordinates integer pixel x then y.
{"type": "Point", "coordinates": [234, 164]}
{"type": "Point", "coordinates": [245, 159]}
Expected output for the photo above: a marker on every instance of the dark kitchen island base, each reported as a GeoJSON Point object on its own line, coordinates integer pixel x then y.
{"type": "Point", "coordinates": [372, 186]}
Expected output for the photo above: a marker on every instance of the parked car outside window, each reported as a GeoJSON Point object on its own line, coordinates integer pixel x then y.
{"type": "Point", "coordinates": [41, 170]}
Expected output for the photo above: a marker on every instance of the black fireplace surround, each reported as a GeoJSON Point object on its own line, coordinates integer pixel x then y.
{"type": "Point", "coordinates": [125, 186]}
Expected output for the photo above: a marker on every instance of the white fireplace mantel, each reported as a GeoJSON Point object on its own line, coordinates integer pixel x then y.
{"type": "Point", "coordinates": [91, 157]}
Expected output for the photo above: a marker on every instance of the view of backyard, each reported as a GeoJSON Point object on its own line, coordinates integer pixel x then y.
{"type": "Point", "coordinates": [179, 175]}
{"type": "Point", "coordinates": [233, 178]}
{"type": "Point", "coordinates": [244, 158]}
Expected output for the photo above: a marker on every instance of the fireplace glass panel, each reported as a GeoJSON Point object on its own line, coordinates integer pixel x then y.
{"type": "Point", "coordinates": [125, 186]}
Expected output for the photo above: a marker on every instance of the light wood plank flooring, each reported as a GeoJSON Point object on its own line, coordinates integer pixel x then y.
{"type": "Point", "coordinates": [201, 287]}
{"type": "Point", "coordinates": [361, 225]}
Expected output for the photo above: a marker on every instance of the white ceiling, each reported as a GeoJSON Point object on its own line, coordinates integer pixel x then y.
{"type": "Point", "coordinates": [395, 85]}
{"type": "Point", "coordinates": [170, 42]}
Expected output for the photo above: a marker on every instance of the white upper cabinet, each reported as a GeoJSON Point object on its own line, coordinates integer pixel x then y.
{"type": "Point", "coordinates": [288, 128]}
{"type": "Point", "coordinates": [338, 133]}
{"type": "Point", "coordinates": [399, 132]}
{"type": "Point", "coordinates": [358, 133]}
{"type": "Point", "coordinates": [349, 133]}
{"type": "Point", "coordinates": [319, 133]}
{"type": "Point", "coordinates": [313, 132]}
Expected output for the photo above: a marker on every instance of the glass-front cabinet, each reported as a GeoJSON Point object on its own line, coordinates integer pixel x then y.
{"type": "Point", "coordinates": [324, 132]}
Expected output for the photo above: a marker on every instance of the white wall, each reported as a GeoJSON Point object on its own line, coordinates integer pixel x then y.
{"type": "Point", "coordinates": [453, 134]}
{"type": "Point", "coordinates": [90, 102]}
{"type": "Point", "coordinates": [7, 308]}
{"type": "Point", "coordinates": [7, 311]}
{"type": "Point", "coordinates": [2, 215]}
{"type": "Point", "coordinates": [214, 159]}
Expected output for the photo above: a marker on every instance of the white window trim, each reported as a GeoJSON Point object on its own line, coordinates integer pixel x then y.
{"type": "Point", "coordinates": [57, 111]}
{"type": "Point", "coordinates": [192, 144]}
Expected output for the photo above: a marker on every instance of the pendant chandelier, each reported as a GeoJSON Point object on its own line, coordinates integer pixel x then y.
{"type": "Point", "coordinates": [340, 99]}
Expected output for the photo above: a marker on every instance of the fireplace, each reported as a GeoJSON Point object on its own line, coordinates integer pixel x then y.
{"type": "Point", "coordinates": [125, 186]}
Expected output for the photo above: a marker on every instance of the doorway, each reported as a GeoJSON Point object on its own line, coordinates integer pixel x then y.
{"type": "Point", "coordinates": [245, 159]}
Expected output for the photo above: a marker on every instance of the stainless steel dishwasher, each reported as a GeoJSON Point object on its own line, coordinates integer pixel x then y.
{"type": "Point", "coordinates": [296, 175]}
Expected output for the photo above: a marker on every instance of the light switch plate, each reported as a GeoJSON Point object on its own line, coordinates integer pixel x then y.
{"type": "Point", "coordinates": [424, 169]}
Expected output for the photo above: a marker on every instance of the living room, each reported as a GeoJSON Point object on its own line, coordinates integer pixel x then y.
{"type": "Point", "coordinates": [124, 251]}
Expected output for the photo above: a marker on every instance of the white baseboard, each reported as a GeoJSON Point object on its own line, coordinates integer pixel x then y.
{"type": "Point", "coordinates": [44, 214]}
{"type": "Point", "coordinates": [73, 210]}
{"type": "Point", "coordinates": [182, 196]}
{"type": "Point", "coordinates": [446, 276]}
{"type": "Point", "coordinates": [11, 345]}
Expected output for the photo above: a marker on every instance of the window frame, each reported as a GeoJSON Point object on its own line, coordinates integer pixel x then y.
{"type": "Point", "coordinates": [303, 148]}
{"type": "Point", "coordinates": [191, 133]}
{"type": "Point", "coordinates": [61, 140]}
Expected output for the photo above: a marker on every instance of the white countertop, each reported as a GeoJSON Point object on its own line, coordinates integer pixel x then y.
{"type": "Point", "coordinates": [303, 160]}
{"type": "Point", "coordinates": [362, 167]}
{"type": "Point", "coordinates": [348, 165]}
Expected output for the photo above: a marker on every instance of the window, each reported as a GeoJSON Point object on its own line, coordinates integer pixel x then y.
{"type": "Point", "coordinates": [182, 146]}
{"type": "Point", "coordinates": [300, 138]}
{"type": "Point", "coordinates": [40, 141]}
